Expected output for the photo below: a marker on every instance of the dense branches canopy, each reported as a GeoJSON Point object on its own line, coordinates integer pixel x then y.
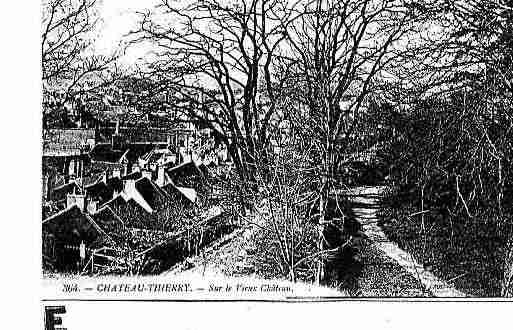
{"type": "Point", "coordinates": [233, 60]}
{"type": "Point", "coordinates": [253, 70]}
{"type": "Point", "coordinates": [218, 57]}
{"type": "Point", "coordinates": [453, 145]}
{"type": "Point", "coordinates": [342, 52]}
{"type": "Point", "coordinates": [67, 31]}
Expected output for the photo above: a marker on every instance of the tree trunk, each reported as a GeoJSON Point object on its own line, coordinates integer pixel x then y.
{"type": "Point", "coordinates": [320, 274]}
{"type": "Point", "coordinates": [507, 285]}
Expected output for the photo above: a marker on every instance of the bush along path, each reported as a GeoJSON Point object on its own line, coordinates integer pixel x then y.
{"type": "Point", "coordinates": [387, 270]}
{"type": "Point", "coordinates": [230, 256]}
{"type": "Point", "coordinates": [384, 269]}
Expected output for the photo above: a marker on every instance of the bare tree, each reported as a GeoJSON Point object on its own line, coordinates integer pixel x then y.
{"type": "Point", "coordinates": [230, 63]}
{"type": "Point", "coordinates": [341, 50]}
{"type": "Point", "coordinates": [66, 46]}
{"type": "Point", "coordinates": [218, 58]}
{"type": "Point", "coordinates": [287, 236]}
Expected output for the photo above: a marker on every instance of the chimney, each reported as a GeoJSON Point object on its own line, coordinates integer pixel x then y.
{"type": "Point", "coordinates": [105, 176]}
{"type": "Point", "coordinates": [48, 185]}
{"type": "Point", "coordinates": [129, 187]}
{"type": "Point", "coordinates": [117, 127]}
{"type": "Point", "coordinates": [161, 176]}
{"type": "Point", "coordinates": [118, 140]}
{"type": "Point", "coordinates": [77, 199]}
{"type": "Point", "coordinates": [169, 141]}
{"type": "Point", "coordinates": [147, 173]}
{"type": "Point", "coordinates": [92, 206]}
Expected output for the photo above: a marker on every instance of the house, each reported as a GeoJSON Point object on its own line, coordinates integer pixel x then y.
{"type": "Point", "coordinates": [119, 157]}
{"type": "Point", "coordinates": [65, 155]}
{"type": "Point", "coordinates": [111, 223]}
{"type": "Point", "coordinates": [185, 174]}
{"type": "Point", "coordinates": [144, 204]}
{"type": "Point", "coordinates": [150, 195]}
{"type": "Point", "coordinates": [185, 196]}
{"type": "Point", "coordinates": [158, 157]}
{"type": "Point", "coordinates": [65, 231]}
{"type": "Point", "coordinates": [189, 175]}
{"type": "Point", "coordinates": [60, 192]}
{"type": "Point", "coordinates": [103, 190]}
{"type": "Point", "coordinates": [67, 142]}
{"type": "Point", "coordinates": [130, 212]}
{"type": "Point", "coordinates": [88, 194]}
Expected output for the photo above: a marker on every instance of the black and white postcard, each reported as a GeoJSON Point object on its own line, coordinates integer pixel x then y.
{"type": "Point", "coordinates": [274, 152]}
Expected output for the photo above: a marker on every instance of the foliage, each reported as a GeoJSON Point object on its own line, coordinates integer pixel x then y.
{"type": "Point", "coordinates": [453, 150]}
{"type": "Point", "coordinates": [69, 64]}
{"type": "Point", "coordinates": [452, 159]}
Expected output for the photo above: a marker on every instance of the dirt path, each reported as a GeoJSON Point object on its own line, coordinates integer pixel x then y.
{"type": "Point", "coordinates": [387, 269]}
{"type": "Point", "coordinates": [230, 256]}
{"type": "Point", "coordinates": [227, 257]}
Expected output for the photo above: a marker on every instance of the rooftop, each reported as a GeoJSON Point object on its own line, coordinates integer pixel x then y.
{"type": "Point", "coordinates": [103, 152]}
{"type": "Point", "coordinates": [72, 226]}
{"type": "Point", "coordinates": [67, 142]}
{"type": "Point", "coordinates": [104, 191]}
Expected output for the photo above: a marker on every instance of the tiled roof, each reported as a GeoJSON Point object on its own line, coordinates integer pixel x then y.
{"type": "Point", "coordinates": [134, 215]}
{"type": "Point", "coordinates": [60, 192]}
{"type": "Point", "coordinates": [189, 193]}
{"type": "Point", "coordinates": [64, 142]}
{"type": "Point", "coordinates": [132, 205]}
{"type": "Point", "coordinates": [180, 194]}
{"type": "Point", "coordinates": [152, 194]}
{"type": "Point", "coordinates": [146, 134]}
{"type": "Point", "coordinates": [103, 152]}
{"type": "Point", "coordinates": [110, 222]}
{"type": "Point", "coordinates": [72, 226]}
{"type": "Point", "coordinates": [132, 176]}
{"type": "Point", "coordinates": [204, 169]}
{"type": "Point", "coordinates": [116, 203]}
{"type": "Point", "coordinates": [89, 179]}
{"type": "Point", "coordinates": [99, 191]}
{"type": "Point", "coordinates": [136, 150]}
{"type": "Point", "coordinates": [115, 183]}
{"type": "Point", "coordinates": [186, 175]}
{"type": "Point", "coordinates": [104, 191]}
{"type": "Point", "coordinates": [129, 211]}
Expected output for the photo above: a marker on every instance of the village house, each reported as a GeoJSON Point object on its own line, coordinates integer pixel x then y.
{"type": "Point", "coordinates": [104, 209]}
{"type": "Point", "coordinates": [143, 204]}
{"type": "Point", "coordinates": [99, 184]}
{"type": "Point", "coordinates": [65, 232]}
{"type": "Point", "coordinates": [101, 214]}
{"type": "Point", "coordinates": [191, 174]}
{"type": "Point", "coordinates": [65, 156]}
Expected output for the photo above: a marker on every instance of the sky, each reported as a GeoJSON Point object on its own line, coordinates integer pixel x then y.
{"type": "Point", "coordinates": [119, 18]}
